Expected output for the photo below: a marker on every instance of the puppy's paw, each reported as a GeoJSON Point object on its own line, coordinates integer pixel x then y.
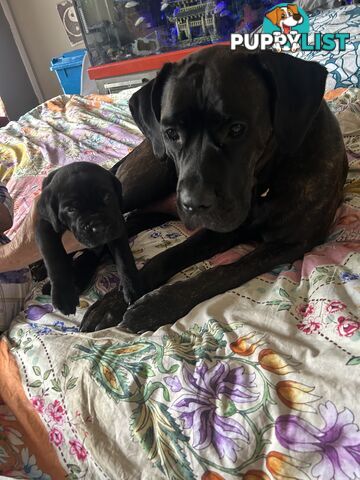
{"type": "Point", "coordinates": [105, 313]}
{"type": "Point", "coordinates": [65, 299]}
{"type": "Point", "coordinates": [38, 271]}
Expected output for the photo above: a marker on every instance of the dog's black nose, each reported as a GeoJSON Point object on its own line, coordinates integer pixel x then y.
{"type": "Point", "coordinates": [190, 207]}
{"type": "Point", "coordinates": [193, 201]}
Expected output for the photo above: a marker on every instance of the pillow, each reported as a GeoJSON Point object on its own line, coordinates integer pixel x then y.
{"type": "Point", "coordinates": [343, 67]}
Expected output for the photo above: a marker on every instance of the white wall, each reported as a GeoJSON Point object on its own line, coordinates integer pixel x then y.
{"type": "Point", "coordinates": [16, 90]}
{"type": "Point", "coordinates": [44, 37]}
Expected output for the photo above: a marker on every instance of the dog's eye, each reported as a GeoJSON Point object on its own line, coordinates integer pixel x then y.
{"type": "Point", "coordinates": [71, 209]}
{"type": "Point", "coordinates": [236, 130]}
{"type": "Point", "coordinates": [172, 134]}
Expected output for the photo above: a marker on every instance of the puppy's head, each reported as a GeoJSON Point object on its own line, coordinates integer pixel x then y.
{"type": "Point", "coordinates": [85, 199]}
{"type": "Point", "coordinates": [217, 115]}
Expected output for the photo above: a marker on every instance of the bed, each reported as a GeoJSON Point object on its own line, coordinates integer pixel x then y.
{"type": "Point", "coordinates": [259, 383]}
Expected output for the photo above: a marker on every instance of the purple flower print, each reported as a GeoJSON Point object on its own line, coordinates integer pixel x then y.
{"type": "Point", "coordinates": [173, 383]}
{"type": "Point", "coordinates": [107, 282]}
{"type": "Point", "coordinates": [35, 312]}
{"type": "Point", "coordinates": [173, 235]}
{"type": "Point", "coordinates": [338, 442]}
{"type": "Point", "coordinates": [209, 402]}
{"type": "Point", "coordinates": [348, 277]}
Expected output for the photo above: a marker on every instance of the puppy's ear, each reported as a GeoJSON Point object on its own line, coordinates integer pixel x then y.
{"type": "Point", "coordinates": [297, 88]}
{"type": "Point", "coordinates": [48, 207]}
{"type": "Point", "coordinates": [145, 107]}
{"type": "Point", "coordinates": [118, 190]}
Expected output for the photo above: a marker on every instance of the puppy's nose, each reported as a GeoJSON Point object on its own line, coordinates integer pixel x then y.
{"type": "Point", "coordinates": [92, 228]}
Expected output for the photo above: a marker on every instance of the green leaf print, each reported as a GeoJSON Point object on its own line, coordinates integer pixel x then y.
{"type": "Point", "coordinates": [160, 437]}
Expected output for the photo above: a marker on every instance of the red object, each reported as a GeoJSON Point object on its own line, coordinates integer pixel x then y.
{"type": "Point", "coordinates": [143, 64]}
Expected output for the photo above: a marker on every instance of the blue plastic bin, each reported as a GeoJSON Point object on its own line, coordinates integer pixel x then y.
{"type": "Point", "coordinates": [68, 70]}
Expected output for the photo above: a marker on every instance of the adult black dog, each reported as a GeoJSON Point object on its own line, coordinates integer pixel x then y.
{"type": "Point", "coordinates": [257, 155]}
{"type": "Point", "coordinates": [86, 199]}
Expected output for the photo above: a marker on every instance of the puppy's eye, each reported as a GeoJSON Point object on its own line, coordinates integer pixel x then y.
{"type": "Point", "coordinates": [236, 130]}
{"type": "Point", "coordinates": [71, 209]}
{"type": "Point", "coordinates": [172, 134]}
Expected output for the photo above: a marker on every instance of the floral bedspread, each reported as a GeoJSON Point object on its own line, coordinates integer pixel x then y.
{"type": "Point", "coordinates": [260, 383]}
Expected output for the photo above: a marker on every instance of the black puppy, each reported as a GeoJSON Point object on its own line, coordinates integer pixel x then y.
{"type": "Point", "coordinates": [86, 199]}
{"type": "Point", "coordinates": [258, 156]}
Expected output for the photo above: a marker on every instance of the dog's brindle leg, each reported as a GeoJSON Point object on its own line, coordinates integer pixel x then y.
{"type": "Point", "coordinates": [171, 302]}
{"type": "Point", "coordinates": [58, 263]}
{"type": "Point", "coordinates": [145, 179]}
{"type": "Point", "coordinates": [202, 245]}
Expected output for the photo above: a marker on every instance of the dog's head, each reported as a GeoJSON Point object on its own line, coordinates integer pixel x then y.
{"type": "Point", "coordinates": [217, 115]}
{"type": "Point", "coordinates": [283, 17]}
{"type": "Point", "coordinates": [85, 199]}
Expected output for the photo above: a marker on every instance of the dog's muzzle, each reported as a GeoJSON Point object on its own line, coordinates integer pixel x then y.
{"type": "Point", "coordinates": [195, 202]}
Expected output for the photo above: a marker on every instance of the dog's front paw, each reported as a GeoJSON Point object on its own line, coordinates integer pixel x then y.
{"type": "Point", "coordinates": [295, 47]}
{"type": "Point", "coordinates": [65, 298]}
{"type": "Point", "coordinates": [105, 313]}
{"type": "Point", "coordinates": [153, 310]}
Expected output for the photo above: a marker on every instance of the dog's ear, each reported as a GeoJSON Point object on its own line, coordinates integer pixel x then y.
{"type": "Point", "coordinates": [48, 205]}
{"type": "Point", "coordinates": [293, 8]}
{"type": "Point", "coordinates": [145, 107]}
{"type": "Point", "coordinates": [297, 88]}
{"type": "Point", "coordinates": [118, 190]}
{"type": "Point", "coordinates": [274, 15]}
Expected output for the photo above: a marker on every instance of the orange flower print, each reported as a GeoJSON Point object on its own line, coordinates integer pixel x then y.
{"type": "Point", "coordinates": [296, 395]}
{"type": "Point", "coordinates": [243, 347]}
{"type": "Point", "coordinates": [211, 476]}
{"type": "Point", "coordinates": [274, 363]}
{"type": "Point", "coordinates": [54, 106]}
{"type": "Point", "coordinates": [283, 467]}
{"type": "Point", "coordinates": [255, 475]}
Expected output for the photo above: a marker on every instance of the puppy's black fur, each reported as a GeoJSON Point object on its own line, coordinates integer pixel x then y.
{"type": "Point", "coordinates": [86, 199]}
{"type": "Point", "coordinates": [257, 155]}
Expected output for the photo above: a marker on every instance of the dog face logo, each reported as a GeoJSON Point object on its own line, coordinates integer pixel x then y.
{"type": "Point", "coordinates": [286, 19]}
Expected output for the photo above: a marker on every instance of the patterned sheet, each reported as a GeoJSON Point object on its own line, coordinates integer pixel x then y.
{"type": "Point", "coordinates": [260, 383]}
{"type": "Point", "coordinates": [343, 67]}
